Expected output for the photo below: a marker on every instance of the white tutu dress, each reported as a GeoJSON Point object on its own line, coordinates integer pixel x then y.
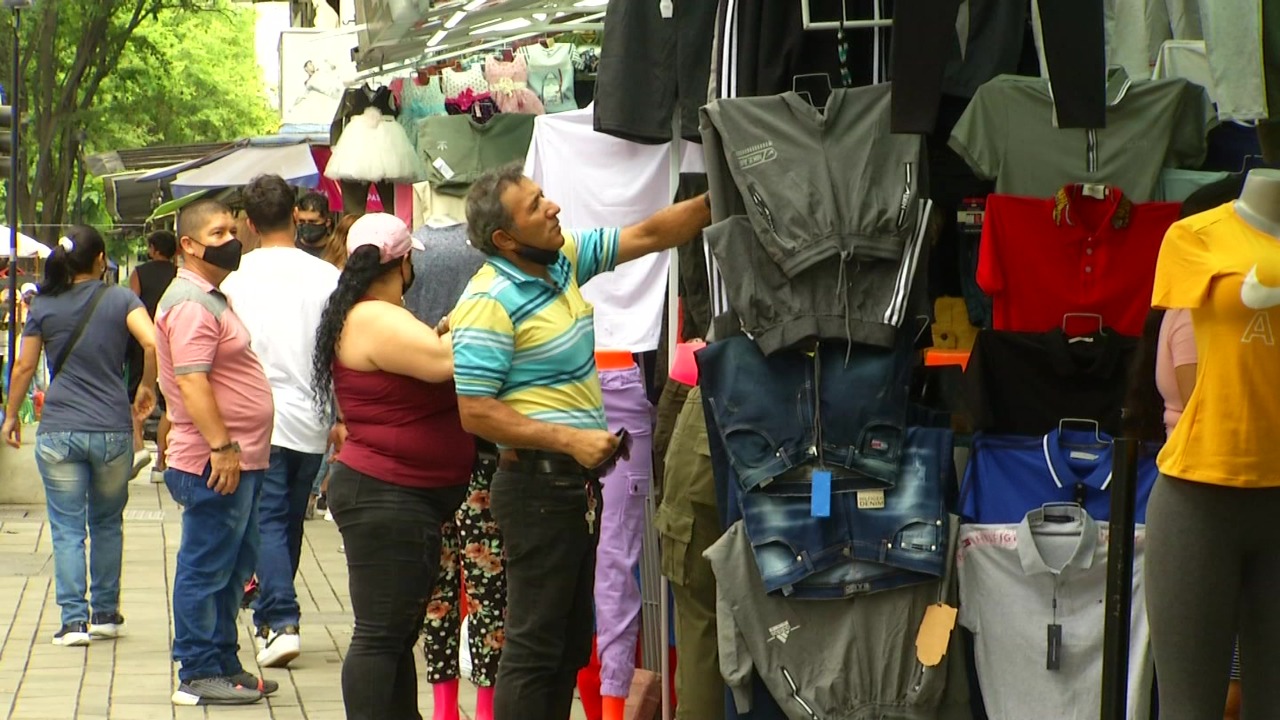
{"type": "Point", "coordinates": [373, 147]}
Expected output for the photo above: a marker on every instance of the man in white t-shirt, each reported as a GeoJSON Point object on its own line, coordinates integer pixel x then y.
{"type": "Point", "coordinates": [280, 293]}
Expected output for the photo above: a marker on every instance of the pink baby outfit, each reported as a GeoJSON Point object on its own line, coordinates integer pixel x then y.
{"type": "Point", "coordinates": [509, 85]}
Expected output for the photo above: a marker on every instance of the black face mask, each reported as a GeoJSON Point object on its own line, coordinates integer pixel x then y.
{"type": "Point", "coordinates": [537, 255]}
{"type": "Point", "coordinates": [413, 275]}
{"type": "Point", "coordinates": [225, 256]}
{"type": "Point", "coordinates": [310, 234]}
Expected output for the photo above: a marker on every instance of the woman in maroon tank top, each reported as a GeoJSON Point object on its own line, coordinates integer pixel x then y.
{"type": "Point", "coordinates": [403, 468]}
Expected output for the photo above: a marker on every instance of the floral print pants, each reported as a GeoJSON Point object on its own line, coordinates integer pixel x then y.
{"type": "Point", "coordinates": [472, 548]}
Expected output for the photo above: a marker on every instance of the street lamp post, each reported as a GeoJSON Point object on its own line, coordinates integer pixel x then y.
{"type": "Point", "coordinates": [15, 91]}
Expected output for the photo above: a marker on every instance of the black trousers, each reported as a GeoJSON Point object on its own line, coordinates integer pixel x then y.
{"type": "Point", "coordinates": [551, 565]}
{"type": "Point", "coordinates": [392, 539]}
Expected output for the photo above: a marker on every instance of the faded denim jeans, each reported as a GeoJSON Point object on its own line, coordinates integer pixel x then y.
{"type": "Point", "coordinates": [876, 538]}
{"type": "Point", "coordinates": [86, 486]}
{"type": "Point", "coordinates": [843, 406]}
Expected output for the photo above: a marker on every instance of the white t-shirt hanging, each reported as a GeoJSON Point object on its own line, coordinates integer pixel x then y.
{"type": "Point", "coordinates": [280, 294]}
{"type": "Point", "coordinates": [1010, 576]}
{"type": "Point", "coordinates": [603, 181]}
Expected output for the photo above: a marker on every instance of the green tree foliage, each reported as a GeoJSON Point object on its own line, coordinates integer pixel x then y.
{"type": "Point", "coordinates": [187, 77]}
{"type": "Point", "coordinates": [114, 74]}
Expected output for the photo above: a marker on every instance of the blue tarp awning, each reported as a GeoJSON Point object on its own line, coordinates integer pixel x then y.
{"type": "Point", "coordinates": [292, 162]}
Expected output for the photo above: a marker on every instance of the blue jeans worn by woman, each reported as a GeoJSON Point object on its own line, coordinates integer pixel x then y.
{"type": "Point", "coordinates": [86, 485]}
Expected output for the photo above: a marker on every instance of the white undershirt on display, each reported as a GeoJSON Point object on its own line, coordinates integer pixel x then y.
{"type": "Point", "coordinates": [1019, 585]}
{"type": "Point", "coordinates": [603, 181]}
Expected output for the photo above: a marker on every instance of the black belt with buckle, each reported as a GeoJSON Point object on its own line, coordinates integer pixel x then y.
{"type": "Point", "coordinates": [541, 462]}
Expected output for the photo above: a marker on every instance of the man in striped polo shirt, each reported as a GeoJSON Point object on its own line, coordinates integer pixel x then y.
{"type": "Point", "coordinates": [524, 365]}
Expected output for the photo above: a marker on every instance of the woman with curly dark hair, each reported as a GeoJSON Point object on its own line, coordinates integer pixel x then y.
{"type": "Point", "coordinates": [403, 468]}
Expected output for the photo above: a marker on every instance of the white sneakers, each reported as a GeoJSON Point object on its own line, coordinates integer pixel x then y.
{"type": "Point", "coordinates": [279, 647]}
{"type": "Point", "coordinates": [141, 459]}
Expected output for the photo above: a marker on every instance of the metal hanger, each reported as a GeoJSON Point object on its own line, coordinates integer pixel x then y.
{"type": "Point", "coordinates": [795, 84]}
{"type": "Point", "coordinates": [1097, 428]}
{"type": "Point", "coordinates": [1082, 338]}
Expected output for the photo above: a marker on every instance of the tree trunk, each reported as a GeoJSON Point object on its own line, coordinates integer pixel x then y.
{"type": "Point", "coordinates": [58, 94]}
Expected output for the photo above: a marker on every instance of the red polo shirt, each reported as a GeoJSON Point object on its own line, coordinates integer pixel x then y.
{"type": "Point", "coordinates": [1043, 259]}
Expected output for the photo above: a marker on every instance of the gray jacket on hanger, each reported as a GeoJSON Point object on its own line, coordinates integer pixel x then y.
{"type": "Point", "coordinates": [851, 659]}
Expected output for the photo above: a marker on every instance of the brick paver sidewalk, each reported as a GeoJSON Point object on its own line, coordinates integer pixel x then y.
{"type": "Point", "coordinates": [132, 678]}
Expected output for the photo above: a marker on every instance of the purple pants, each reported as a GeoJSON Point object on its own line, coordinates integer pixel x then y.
{"type": "Point", "coordinates": [626, 488]}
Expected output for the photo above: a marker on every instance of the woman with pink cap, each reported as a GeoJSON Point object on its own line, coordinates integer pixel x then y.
{"type": "Point", "coordinates": [403, 468]}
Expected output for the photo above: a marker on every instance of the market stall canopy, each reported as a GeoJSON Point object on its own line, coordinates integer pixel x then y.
{"type": "Point", "coordinates": [401, 33]}
{"type": "Point", "coordinates": [129, 199]}
{"type": "Point", "coordinates": [27, 245]}
{"type": "Point", "coordinates": [173, 206]}
{"type": "Point", "coordinates": [293, 162]}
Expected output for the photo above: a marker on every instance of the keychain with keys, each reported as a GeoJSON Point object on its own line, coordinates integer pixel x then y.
{"type": "Point", "coordinates": [591, 510]}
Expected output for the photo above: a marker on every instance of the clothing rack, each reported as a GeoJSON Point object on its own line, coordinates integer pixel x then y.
{"type": "Point", "coordinates": [590, 23]}
{"type": "Point", "coordinates": [1119, 608]}
{"type": "Point", "coordinates": [877, 21]}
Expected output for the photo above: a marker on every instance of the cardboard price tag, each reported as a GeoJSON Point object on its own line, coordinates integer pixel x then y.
{"type": "Point", "coordinates": [935, 634]}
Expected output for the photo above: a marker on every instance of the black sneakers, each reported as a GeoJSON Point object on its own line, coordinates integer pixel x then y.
{"type": "Point", "coordinates": [218, 691]}
{"type": "Point", "coordinates": [106, 626]}
{"type": "Point", "coordinates": [249, 680]}
{"type": "Point", "coordinates": [73, 635]}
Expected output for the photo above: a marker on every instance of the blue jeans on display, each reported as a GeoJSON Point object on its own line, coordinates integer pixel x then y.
{"type": "Point", "coordinates": [772, 410]}
{"type": "Point", "coordinates": [218, 554]}
{"type": "Point", "coordinates": [856, 550]}
{"type": "Point", "coordinates": [86, 485]}
{"type": "Point", "coordinates": [282, 508]}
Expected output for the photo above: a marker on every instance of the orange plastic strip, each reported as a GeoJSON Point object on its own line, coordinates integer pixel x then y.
{"type": "Point", "coordinates": [936, 357]}
{"type": "Point", "coordinates": [614, 360]}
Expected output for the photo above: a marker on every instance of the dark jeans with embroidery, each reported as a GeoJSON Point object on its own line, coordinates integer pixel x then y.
{"type": "Point", "coordinates": [844, 406]}
{"type": "Point", "coordinates": [876, 538]}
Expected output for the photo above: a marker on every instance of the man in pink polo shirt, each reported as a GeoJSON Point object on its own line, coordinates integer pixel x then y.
{"type": "Point", "coordinates": [219, 447]}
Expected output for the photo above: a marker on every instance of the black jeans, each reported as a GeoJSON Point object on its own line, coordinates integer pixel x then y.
{"type": "Point", "coordinates": [551, 565]}
{"type": "Point", "coordinates": [392, 539]}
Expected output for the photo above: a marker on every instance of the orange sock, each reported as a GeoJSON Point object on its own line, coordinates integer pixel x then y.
{"type": "Point", "coordinates": [614, 708]}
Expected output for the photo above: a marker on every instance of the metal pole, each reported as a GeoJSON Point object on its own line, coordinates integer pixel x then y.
{"type": "Point", "coordinates": [1115, 647]}
{"type": "Point", "coordinates": [12, 215]}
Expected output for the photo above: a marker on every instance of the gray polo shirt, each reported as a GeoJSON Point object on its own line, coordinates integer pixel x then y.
{"type": "Point", "coordinates": [1007, 135]}
{"type": "Point", "coordinates": [1009, 577]}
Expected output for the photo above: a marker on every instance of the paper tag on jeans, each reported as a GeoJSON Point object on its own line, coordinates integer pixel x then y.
{"type": "Point", "coordinates": [443, 167]}
{"type": "Point", "coordinates": [820, 494]}
{"type": "Point", "coordinates": [870, 499]}
{"type": "Point", "coordinates": [668, 9]}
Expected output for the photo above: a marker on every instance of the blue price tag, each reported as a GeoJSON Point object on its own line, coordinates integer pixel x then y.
{"type": "Point", "coordinates": [821, 502]}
